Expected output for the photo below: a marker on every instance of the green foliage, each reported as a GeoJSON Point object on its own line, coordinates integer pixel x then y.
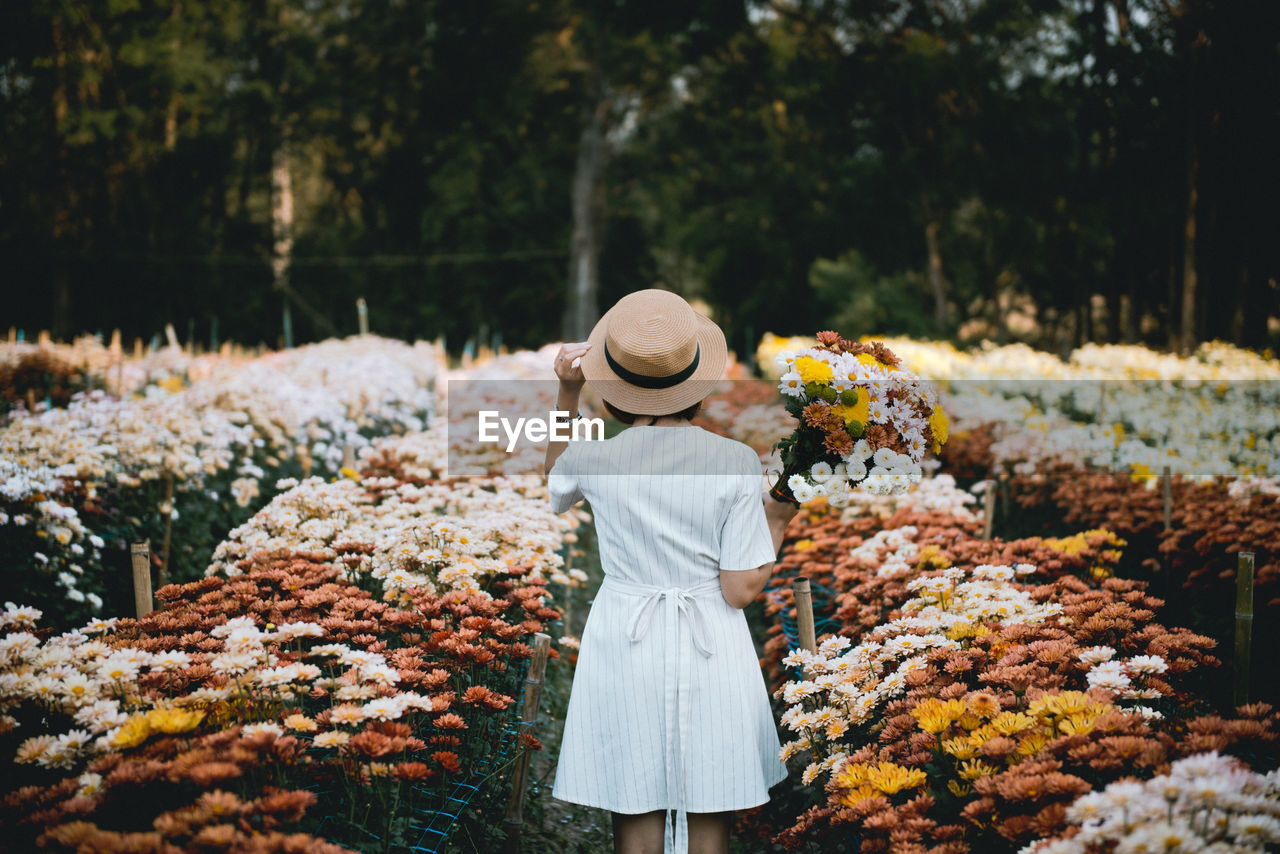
{"type": "Point", "coordinates": [858, 301]}
{"type": "Point", "coordinates": [1047, 146]}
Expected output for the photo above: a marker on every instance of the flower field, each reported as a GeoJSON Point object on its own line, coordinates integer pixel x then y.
{"type": "Point", "coordinates": [985, 695]}
{"type": "Point", "coordinates": [191, 451]}
{"type": "Point", "coordinates": [341, 641]}
{"type": "Point", "coordinates": [349, 655]}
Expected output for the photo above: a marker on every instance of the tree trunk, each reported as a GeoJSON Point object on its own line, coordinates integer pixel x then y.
{"type": "Point", "coordinates": [1171, 316]}
{"type": "Point", "coordinates": [281, 217]}
{"type": "Point", "coordinates": [936, 283]}
{"type": "Point", "coordinates": [1189, 279]}
{"type": "Point", "coordinates": [64, 214]}
{"type": "Point", "coordinates": [175, 98]}
{"type": "Point", "coordinates": [582, 309]}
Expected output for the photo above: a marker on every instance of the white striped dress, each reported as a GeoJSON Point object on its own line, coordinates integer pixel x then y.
{"type": "Point", "coordinates": [669, 708]}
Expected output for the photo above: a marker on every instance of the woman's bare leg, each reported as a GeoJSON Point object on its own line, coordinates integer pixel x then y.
{"type": "Point", "coordinates": [709, 832]}
{"type": "Point", "coordinates": [639, 834]}
{"type": "Point", "coordinates": [643, 833]}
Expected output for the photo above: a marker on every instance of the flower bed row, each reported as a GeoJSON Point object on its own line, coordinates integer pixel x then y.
{"type": "Point", "coordinates": [182, 464]}
{"type": "Point", "coordinates": [354, 654]}
{"type": "Point", "coordinates": [974, 690]}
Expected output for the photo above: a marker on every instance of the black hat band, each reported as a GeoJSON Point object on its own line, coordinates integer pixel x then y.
{"type": "Point", "coordinates": [646, 381]}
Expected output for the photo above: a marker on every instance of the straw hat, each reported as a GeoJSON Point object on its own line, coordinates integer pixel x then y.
{"type": "Point", "coordinates": [652, 354]}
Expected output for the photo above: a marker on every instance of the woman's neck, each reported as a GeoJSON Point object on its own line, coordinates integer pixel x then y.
{"type": "Point", "coordinates": [660, 421]}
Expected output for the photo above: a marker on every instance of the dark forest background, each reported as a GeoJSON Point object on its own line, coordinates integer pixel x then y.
{"type": "Point", "coordinates": [1056, 171]}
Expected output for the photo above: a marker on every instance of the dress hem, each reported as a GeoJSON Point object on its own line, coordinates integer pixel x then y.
{"type": "Point", "coordinates": [659, 808]}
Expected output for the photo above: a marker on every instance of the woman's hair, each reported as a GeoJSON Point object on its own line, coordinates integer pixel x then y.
{"type": "Point", "coordinates": [630, 417]}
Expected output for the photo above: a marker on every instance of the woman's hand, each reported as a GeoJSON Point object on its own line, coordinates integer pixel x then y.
{"type": "Point", "coordinates": [779, 515]}
{"type": "Point", "coordinates": [568, 367]}
{"type": "Point", "coordinates": [568, 370]}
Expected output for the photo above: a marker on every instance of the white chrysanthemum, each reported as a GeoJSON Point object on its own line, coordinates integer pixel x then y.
{"type": "Point", "coordinates": [820, 472]}
{"type": "Point", "coordinates": [1146, 664]}
{"type": "Point", "coordinates": [791, 384]}
{"type": "Point", "coordinates": [1096, 654]}
{"type": "Point", "coordinates": [884, 457]}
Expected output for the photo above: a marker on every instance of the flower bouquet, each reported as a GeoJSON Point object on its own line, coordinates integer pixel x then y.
{"type": "Point", "coordinates": [865, 421]}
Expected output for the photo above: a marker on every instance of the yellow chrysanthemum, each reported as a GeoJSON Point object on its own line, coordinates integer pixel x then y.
{"type": "Point", "coordinates": [853, 797]}
{"type": "Point", "coordinates": [931, 557]}
{"type": "Point", "coordinates": [814, 370]}
{"type": "Point", "coordinates": [940, 425]}
{"type": "Point", "coordinates": [1140, 472]}
{"type": "Point", "coordinates": [851, 776]}
{"type": "Point", "coordinates": [1066, 703]}
{"type": "Point", "coordinates": [171, 721]}
{"type": "Point", "coordinates": [133, 732]}
{"type": "Point", "coordinates": [1010, 723]}
{"type": "Point", "coordinates": [960, 748]}
{"type": "Point", "coordinates": [891, 779]}
{"type": "Point", "coordinates": [172, 384]}
{"type": "Point", "coordinates": [1032, 743]}
{"type": "Point", "coordinates": [976, 768]}
{"type": "Point", "coordinates": [860, 411]}
{"type": "Point", "coordinates": [1076, 725]}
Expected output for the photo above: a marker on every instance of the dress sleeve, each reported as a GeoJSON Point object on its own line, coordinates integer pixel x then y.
{"type": "Point", "coordinates": [745, 542]}
{"type": "Point", "coordinates": [562, 481]}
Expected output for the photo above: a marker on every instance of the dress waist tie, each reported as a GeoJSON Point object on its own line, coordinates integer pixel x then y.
{"type": "Point", "coordinates": [676, 602]}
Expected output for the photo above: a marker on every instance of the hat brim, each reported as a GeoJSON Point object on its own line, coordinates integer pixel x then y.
{"type": "Point", "coordinates": [712, 355]}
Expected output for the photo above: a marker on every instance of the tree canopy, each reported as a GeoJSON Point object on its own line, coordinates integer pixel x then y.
{"type": "Point", "coordinates": [1057, 171]}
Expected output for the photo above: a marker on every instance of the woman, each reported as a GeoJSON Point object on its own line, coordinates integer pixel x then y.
{"type": "Point", "coordinates": [669, 709]}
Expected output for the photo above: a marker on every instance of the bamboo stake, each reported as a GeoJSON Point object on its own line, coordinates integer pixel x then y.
{"type": "Point", "coordinates": [1166, 479]}
{"type": "Point", "coordinates": [988, 509]}
{"type": "Point", "coordinates": [140, 553]}
{"type": "Point", "coordinates": [1004, 495]}
{"type": "Point", "coordinates": [162, 574]}
{"type": "Point", "coordinates": [1244, 626]}
{"type": "Point", "coordinates": [529, 718]}
{"type": "Point", "coordinates": [804, 613]}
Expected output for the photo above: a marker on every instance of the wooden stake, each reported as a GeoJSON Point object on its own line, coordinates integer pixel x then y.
{"type": "Point", "coordinates": [804, 613]}
{"type": "Point", "coordinates": [140, 553]}
{"type": "Point", "coordinates": [13, 335]}
{"type": "Point", "coordinates": [171, 336]}
{"type": "Point", "coordinates": [162, 574]}
{"type": "Point", "coordinates": [1166, 479]}
{"type": "Point", "coordinates": [988, 509]}
{"type": "Point", "coordinates": [348, 457]}
{"type": "Point", "coordinates": [137, 348]}
{"type": "Point", "coordinates": [362, 315]}
{"type": "Point", "coordinates": [529, 718]}
{"type": "Point", "coordinates": [1244, 626]}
